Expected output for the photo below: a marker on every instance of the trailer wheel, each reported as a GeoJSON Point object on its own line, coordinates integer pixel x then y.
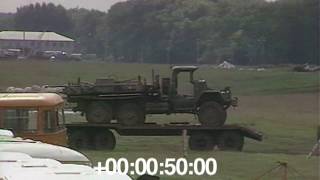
{"type": "Point", "coordinates": [79, 140]}
{"type": "Point", "coordinates": [130, 114]}
{"type": "Point", "coordinates": [98, 112]}
{"type": "Point", "coordinates": [212, 114]}
{"type": "Point", "coordinates": [230, 141]}
{"type": "Point", "coordinates": [104, 140]}
{"type": "Point", "coordinates": [201, 142]}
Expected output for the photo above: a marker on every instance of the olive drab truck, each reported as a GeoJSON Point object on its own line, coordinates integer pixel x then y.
{"type": "Point", "coordinates": [128, 102]}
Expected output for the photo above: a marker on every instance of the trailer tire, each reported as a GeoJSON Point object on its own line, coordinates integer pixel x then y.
{"type": "Point", "coordinates": [212, 114]}
{"type": "Point", "coordinates": [104, 140]}
{"type": "Point", "coordinates": [201, 142]}
{"type": "Point", "coordinates": [230, 141]}
{"type": "Point", "coordinates": [79, 140]}
{"type": "Point", "coordinates": [98, 112]}
{"type": "Point", "coordinates": [130, 114]}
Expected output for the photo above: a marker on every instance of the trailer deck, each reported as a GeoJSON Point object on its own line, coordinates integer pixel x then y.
{"type": "Point", "coordinates": [99, 136]}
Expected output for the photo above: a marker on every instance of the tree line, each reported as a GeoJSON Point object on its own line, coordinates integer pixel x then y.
{"type": "Point", "coordinates": [246, 32]}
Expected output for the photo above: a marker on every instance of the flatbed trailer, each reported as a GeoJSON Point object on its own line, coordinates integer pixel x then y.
{"type": "Point", "coordinates": [99, 136]}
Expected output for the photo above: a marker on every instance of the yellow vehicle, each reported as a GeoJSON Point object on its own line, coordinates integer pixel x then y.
{"type": "Point", "coordinates": [38, 116]}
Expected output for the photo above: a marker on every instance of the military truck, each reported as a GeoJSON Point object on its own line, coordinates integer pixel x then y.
{"type": "Point", "coordinates": [128, 102]}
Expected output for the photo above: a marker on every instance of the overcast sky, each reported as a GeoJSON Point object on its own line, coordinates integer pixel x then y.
{"type": "Point", "coordinates": [102, 5]}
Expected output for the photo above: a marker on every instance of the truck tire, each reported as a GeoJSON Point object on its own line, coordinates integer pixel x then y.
{"type": "Point", "coordinates": [130, 114]}
{"type": "Point", "coordinates": [230, 141]}
{"type": "Point", "coordinates": [98, 112]}
{"type": "Point", "coordinates": [104, 140]}
{"type": "Point", "coordinates": [78, 140]}
{"type": "Point", "coordinates": [201, 142]}
{"type": "Point", "coordinates": [212, 114]}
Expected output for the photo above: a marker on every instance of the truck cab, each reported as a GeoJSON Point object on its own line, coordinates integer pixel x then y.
{"type": "Point", "coordinates": [38, 116]}
{"type": "Point", "coordinates": [182, 102]}
{"type": "Point", "coordinates": [210, 105]}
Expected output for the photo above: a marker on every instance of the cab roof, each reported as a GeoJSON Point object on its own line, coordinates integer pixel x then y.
{"type": "Point", "coordinates": [184, 68]}
{"type": "Point", "coordinates": [29, 99]}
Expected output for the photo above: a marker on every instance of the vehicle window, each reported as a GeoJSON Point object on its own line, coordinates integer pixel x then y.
{"type": "Point", "coordinates": [54, 119]}
{"type": "Point", "coordinates": [51, 120]}
{"type": "Point", "coordinates": [184, 86]}
{"type": "Point", "coordinates": [20, 119]}
{"type": "Point", "coordinates": [61, 120]}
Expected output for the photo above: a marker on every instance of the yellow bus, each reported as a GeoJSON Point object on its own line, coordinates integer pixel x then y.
{"type": "Point", "coordinates": [38, 116]}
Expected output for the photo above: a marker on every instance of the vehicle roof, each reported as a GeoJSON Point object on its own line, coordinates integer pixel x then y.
{"type": "Point", "coordinates": [184, 68]}
{"type": "Point", "coordinates": [25, 166]}
{"type": "Point", "coordinates": [29, 99]}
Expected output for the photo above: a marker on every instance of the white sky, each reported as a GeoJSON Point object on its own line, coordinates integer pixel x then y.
{"type": "Point", "coordinates": [102, 5]}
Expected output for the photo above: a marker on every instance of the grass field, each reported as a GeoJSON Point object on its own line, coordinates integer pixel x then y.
{"type": "Point", "coordinates": [282, 104]}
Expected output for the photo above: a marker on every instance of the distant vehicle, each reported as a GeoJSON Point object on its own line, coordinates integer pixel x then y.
{"type": "Point", "coordinates": [10, 53]}
{"type": "Point", "coordinates": [76, 57]}
{"type": "Point", "coordinates": [89, 56]}
{"type": "Point", "coordinates": [21, 57]}
{"type": "Point", "coordinates": [128, 102]}
{"type": "Point", "coordinates": [13, 52]}
{"type": "Point", "coordinates": [55, 55]}
{"type": "Point", "coordinates": [2, 53]}
{"type": "Point", "coordinates": [38, 116]}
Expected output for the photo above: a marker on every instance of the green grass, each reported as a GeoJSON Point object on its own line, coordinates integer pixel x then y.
{"type": "Point", "coordinates": [231, 165]}
{"type": "Point", "coordinates": [288, 123]}
{"type": "Point", "coordinates": [245, 82]}
{"type": "Point", "coordinates": [282, 104]}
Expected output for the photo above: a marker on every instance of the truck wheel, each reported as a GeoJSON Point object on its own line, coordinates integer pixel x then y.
{"type": "Point", "coordinates": [78, 140]}
{"type": "Point", "coordinates": [104, 140]}
{"type": "Point", "coordinates": [212, 114]}
{"type": "Point", "coordinates": [230, 141]}
{"type": "Point", "coordinates": [201, 142]}
{"type": "Point", "coordinates": [130, 114]}
{"type": "Point", "coordinates": [98, 112]}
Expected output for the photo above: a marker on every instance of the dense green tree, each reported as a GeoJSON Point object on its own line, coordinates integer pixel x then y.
{"type": "Point", "coordinates": [43, 17]}
{"type": "Point", "coordinates": [6, 21]}
{"type": "Point", "coordinates": [185, 31]}
{"type": "Point", "coordinates": [189, 31]}
{"type": "Point", "coordinates": [89, 30]}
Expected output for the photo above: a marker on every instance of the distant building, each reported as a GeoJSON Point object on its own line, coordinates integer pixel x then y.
{"type": "Point", "coordinates": [33, 43]}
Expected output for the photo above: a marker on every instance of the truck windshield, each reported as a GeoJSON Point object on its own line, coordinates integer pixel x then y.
{"type": "Point", "coordinates": [19, 119]}
{"type": "Point", "coordinates": [54, 119]}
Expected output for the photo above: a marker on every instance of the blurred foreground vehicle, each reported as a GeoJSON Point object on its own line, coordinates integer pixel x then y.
{"type": "Point", "coordinates": [28, 159]}
{"type": "Point", "coordinates": [37, 149]}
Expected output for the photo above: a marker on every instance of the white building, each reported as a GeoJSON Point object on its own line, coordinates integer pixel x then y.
{"type": "Point", "coordinates": [32, 43]}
